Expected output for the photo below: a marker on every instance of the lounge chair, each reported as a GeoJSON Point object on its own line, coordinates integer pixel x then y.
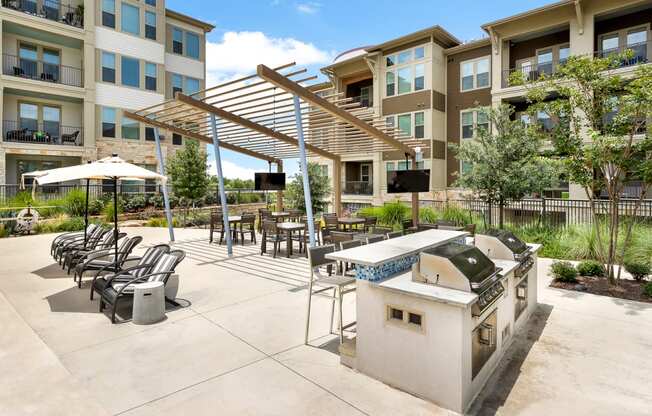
{"type": "Point", "coordinates": [106, 259]}
{"type": "Point", "coordinates": [143, 265]}
{"type": "Point", "coordinates": [73, 255]}
{"type": "Point", "coordinates": [61, 238]}
{"type": "Point", "coordinates": [79, 243]}
{"type": "Point", "coordinates": [340, 285]}
{"type": "Point", "coordinates": [119, 289]}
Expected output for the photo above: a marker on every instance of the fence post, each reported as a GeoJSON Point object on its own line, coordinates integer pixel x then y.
{"type": "Point", "coordinates": [543, 209]}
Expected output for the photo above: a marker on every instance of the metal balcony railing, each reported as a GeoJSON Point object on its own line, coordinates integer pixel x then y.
{"type": "Point", "coordinates": [627, 55]}
{"type": "Point", "coordinates": [46, 132]}
{"type": "Point", "coordinates": [358, 188]}
{"type": "Point", "coordinates": [42, 71]}
{"type": "Point", "coordinates": [49, 9]}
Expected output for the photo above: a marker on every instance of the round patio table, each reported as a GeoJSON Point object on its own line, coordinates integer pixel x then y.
{"type": "Point", "coordinates": [288, 228]}
{"type": "Point", "coordinates": [350, 222]}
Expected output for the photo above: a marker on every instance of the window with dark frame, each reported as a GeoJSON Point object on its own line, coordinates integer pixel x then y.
{"type": "Point", "coordinates": [108, 13]}
{"type": "Point", "coordinates": [176, 139]}
{"type": "Point", "coordinates": [150, 25]}
{"type": "Point", "coordinates": [149, 134]}
{"type": "Point", "coordinates": [150, 2]}
{"type": "Point", "coordinates": [108, 67]}
{"type": "Point", "coordinates": [177, 41]}
{"type": "Point", "coordinates": [177, 84]}
{"type": "Point", "coordinates": [108, 121]}
{"type": "Point", "coordinates": [150, 76]}
{"type": "Point", "coordinates": [130, 72]}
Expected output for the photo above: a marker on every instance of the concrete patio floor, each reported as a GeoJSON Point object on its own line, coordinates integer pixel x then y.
{"type": "Point", "coordinates": [236, 346]}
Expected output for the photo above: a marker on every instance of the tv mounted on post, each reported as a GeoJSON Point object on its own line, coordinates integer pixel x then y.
{"type": "Point", "coordinates": [268, 181]}
{"type": "Point", "coordinates": [402, 181]}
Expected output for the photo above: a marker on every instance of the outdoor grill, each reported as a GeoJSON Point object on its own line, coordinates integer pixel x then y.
{"type": "Point", "coordinates": [502, 244]}
{"type": "Point", "coordinates": [462, 267]}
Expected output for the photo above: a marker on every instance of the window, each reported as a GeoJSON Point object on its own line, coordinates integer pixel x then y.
{"type": "Point", "coordinates": [404, 80]}
{"type": "Point", "coordinates": [149, 134]}
{"type": "Point", "coordinates": [130, 72]}
{"type": "Point", "coordinates": [544, 121]}
{"type": "Point", "coordinates": [177, 40]}
{"type": "Point", "coordinates": [191, 86]}
{"type": "Point", "coordinates": [419, 132]}
{"type": "Point", "coordinates": [28, 114]}
{"type": "Point", "coordinates": [419, 52]}
{"type": "Point", "coordinates": [52, 121]}
{"type": "Point", "coordinates": [150, 25]}
{"type": "Point", "coordinates": [403, 165]}
{"type": "Point", "coordinates": [108, 122]}
{"type": "Point", "coordinates": [482, 120]}
{"type": "Point", "coordinates": [475, 74]}
{"type": "Point", "coordinates": [637, 42]}
{"type": "Point", "coordinates": [396, 314]}
{"type": "Point", "coordinates": [366, 96]}
{"type": "Point", "coordinates": [192, 45]}
{"type": "Point", "coordinates": [130, 129]}
{"type": "Point", "coordinates": [176, 139]}
{"type": "Point", "coordinates": [108, 13]}
{"type": "Point", "coordinates": [544, 61]}
{"type": "Point", "coordinates": [51, 62]}
{"type": "Point", "coordinates": [389, 122]}
{"type": "Point", "coordinates": [177, 83]}
{"type": "Point", "coordinates": [471, 121]}
{"type": "Point", "coordinates": [150, 2]}
{"type": "Point", "coordinates": [28, 60]}
{"type": "Point", "coordinates": [405, 124]}
{"type": "Point", "coordinates": [390, 60]}
{"type": "Point", "coordinates": [108, 67]}
{"type": "Point", "coordinates": [130, 19]}
{"type": "Point", "coordinates": [609, 44]}
{"type": "Point", "coordinates": [467, 124]}
{"type": "Point", "coordinates": [150, 76]}
{"type": "Point", "coordinates": [564, 53]}
{"type": "Point", "coordinates": [390, 83]}
{"type": "Point", "coordinates": [404, 57]}
{"type": "Point", "coordinates": [418, 77]}
{"type": "Point", "coordinates": [414, 318]}
{"type": "Point", "coordinates": [389, 166]}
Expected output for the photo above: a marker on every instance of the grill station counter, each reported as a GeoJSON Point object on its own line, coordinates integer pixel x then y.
{"type": "Point", "coordinates": [439, 319]}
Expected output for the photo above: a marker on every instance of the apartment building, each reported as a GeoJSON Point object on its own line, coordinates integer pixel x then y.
{"type": "Point", "coordinates": [70, 69]}
{"type": "Point", "coordinates": [432, 85]}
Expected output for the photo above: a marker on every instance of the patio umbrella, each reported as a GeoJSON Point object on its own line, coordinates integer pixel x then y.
{"type": "Point", "coordinates": [109, 168]}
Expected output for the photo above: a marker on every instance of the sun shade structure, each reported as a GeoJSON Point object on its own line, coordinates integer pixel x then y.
{"type": "Point", "coordinates": [275, 114]}
{"type": "Point", "coordinates": [110, 168]}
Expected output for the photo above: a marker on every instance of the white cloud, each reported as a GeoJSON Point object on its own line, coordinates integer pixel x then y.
{"type": "Point", "coordinates": [232, 170]}
{"type": "Point", "coordinates": [238, 53]}
{"type": "Point", "coordinates": [309, 7]}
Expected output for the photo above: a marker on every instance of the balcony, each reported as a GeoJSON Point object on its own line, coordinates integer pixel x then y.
{"type": "Point", "coordinates": [71, 15]}
{"type": "Point", "coordinates": [358, 188]}
{"type": "Point", "coordinates": [42, 71]}
{"type": "Point", "coordinates": [47, 132]}
{"type": "Point", "coordinates": [626, 55]}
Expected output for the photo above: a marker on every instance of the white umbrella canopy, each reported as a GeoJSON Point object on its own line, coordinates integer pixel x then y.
{"type": "Point", "coordinates": [108, 168]}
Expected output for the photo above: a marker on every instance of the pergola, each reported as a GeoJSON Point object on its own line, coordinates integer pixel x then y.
{"type": "Point", "coordinates": [273, 115]}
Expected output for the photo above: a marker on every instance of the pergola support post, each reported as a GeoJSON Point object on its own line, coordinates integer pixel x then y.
{"type": "Point", "coordinates": [161, 170]}
{"type": "Point", "coordinates": [304, 171]}
{"type": "Point", "coordinates": [220, 181]}
{"type": "Point", "coordinates": [279, 194]}
{"type": "Point", "coordinates": [337, 187]}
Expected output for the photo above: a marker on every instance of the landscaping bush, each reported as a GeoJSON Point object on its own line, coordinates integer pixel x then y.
{"type": "Point", "coordinates": [133, 203]}
{"type": "Point", "coordinates": [393, 213]}
{"type": "Point", "coordinates": [369, 212]}
{"type": "Point", "coordinates": [591, 268]}
{"type": "Point", "coordinates": [75, 202]}
{"type": "Point", "coordinates": [638, 269]}
{"type": "Point", "coordinates": [108, 211]}
{"type": "Point", "coordinates": [455, 214]}
{"type": "Point", "coordinates": [563, 271]}
{"type": "Point", "coordinates": [428, 215]}
{"type": "Point", "coordinates": [95, 206]}
{"type": "Point", "coordinates": [647, 289]}
{"type": "Point", "coordinates": [161, 222]}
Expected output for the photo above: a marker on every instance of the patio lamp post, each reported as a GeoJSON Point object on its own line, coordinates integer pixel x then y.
{"type": "Point", "coordinates": [220, 180]}
{"type": "Point", "coordinates": [304, 170]}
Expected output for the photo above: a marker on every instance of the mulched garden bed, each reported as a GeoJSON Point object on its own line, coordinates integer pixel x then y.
{"type": "Point", "coordinates": [627, 289]}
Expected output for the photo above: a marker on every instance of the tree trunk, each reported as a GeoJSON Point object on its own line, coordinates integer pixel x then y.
{"type": "Point", "coordinates": [501, 213]}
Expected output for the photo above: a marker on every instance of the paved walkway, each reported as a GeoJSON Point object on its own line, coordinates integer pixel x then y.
{"type": "Point", "coordinates": [236, 347]}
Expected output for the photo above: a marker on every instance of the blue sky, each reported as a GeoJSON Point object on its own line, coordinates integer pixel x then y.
{"type": "Point", "coordinates": [311, 33]}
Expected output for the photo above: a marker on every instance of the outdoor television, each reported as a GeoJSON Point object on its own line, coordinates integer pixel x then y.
{"type": "Point", "coordinates": [400, 181]}
{"type": "Point", "coordinates": [267, 181]}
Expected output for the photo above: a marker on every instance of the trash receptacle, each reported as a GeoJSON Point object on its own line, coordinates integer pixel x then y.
{"type": "Point", "coordinates": [149, 303]}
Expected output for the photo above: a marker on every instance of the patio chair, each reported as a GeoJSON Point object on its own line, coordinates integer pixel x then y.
{"type": "Point", "coordinates": [408, 227]}
{"type": "Point", "coordinates": [143, 265]}
{"type": "Point", "coordinates": [331, 223]}
{"type": "Point", "coordinates": [339, 236]}
{"type": "Point", "coordinates": [217, 225]}
{"type": "Point", "coordinates": [67, 236]}
{"type": "Point", "coordinates": [80, 244]}
{"type": "Point", "coordinates": [340, 285]}
{"type": "Point", "coordinates": [325, 235]}
{"type": "Point", "coordinates": [263, 214]}
{"type": "Point", "coordinates": [394, 234]}
{"type": "Point", "coordinates": [270, 234]}
{"type": "Point", "coordinates": [381, 230]}
{"type": "Point", "coordinates": [425, 226]}
{"type": "Point", "coordinates": [295, 215]}
{"type": "Point", "coordinates": [73, 255]}
{"type": "Point", "coordinates": [369, 222]}
{"type": "Point", "coordinates": [248, 225]}
{"type": "Point", "coordinates": [303, 237]}
{"type": "Point", "coordinates": [445, 223]}
{"type": "Point", "coordinates": [375, 239]}
{"type": "Point", "coordinates": [161, 272]}
{"type": "Point", "coordinates": [72, 138]}
{"type": "Point", "coordinates": [91, 238]}
{"type": "Point", "coordinates": [343, 246]}
{"type": "Point", "coordinates": [106, 259]}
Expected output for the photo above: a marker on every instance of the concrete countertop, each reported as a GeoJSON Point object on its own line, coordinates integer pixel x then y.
{"type": "Point", "coordinates": [385, 251]}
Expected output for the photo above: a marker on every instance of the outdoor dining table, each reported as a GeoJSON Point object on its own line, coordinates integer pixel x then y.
{"type": "Point", "coordinates": [364, 236]}
{"type": "Point", "coordinates": [289, 228]}
{"type": "Point", "coordinates": [280, 214]}
{"type": "Point", "coordinates": [350, 222]}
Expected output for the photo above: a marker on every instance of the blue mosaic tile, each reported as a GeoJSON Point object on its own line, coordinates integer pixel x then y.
{"type": "Point", "coordinates": [377, 273]}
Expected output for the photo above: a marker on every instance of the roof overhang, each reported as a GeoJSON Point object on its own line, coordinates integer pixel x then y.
{"type": "Point", "coordinates": [207, 27]}
{"type": "Point", "coordinates": [488, 27]}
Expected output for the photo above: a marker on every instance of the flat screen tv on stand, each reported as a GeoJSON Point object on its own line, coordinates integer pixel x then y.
{"type": "Point", "coordinates": [269, 181]}
{"type": "Point", "coordinates": [407, 181]}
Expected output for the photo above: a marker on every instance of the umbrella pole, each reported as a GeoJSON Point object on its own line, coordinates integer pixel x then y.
{"type": "Point", "coordinates": [86, 213]}
{"type": "Point", "coordinates": [115, 215]}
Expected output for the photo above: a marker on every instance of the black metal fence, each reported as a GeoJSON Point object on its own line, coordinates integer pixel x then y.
{"type": "Point", "coordinates": [46, 132]}
{"type": "Point", "coordinates": [42, 71]}
{"type": "Point", "coordinates": [68, 14]}
{"type": "Point", "coordinates": [550, 212]}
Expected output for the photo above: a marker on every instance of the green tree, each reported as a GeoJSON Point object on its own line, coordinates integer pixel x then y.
{"type": "Point", "coordinates": [187, 173]}
{"type": "Point", "coordinates": [504, 162]}
{"type": "Point", "coordinates": [320, 189]}
{"type": "Point", "coordinates": [601, 138]}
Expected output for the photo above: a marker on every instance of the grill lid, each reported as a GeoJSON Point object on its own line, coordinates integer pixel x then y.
{"type": "Point", "coordinates": [469, 260]}
{"type": "Point", "coordinates": [509, 239]}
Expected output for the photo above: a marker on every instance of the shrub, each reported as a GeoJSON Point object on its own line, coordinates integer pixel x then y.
{"type": "Point", "coordinates": [638, 269]}
{"type": "Point", "coordinates": [393, 213]}
{"type": "Point", "coordinates": [457, 215]}
{"type": "Point", "coordinates": [75, 202]}
{"type": "Point", "coordinates": [590, 268]}
{"type": "Point", "coordinates": [161, 222]}
{"type": "Point", "coordinates": [95, 206]}
{"type": "Point", "coordinates": [369, 212]}
{"type": "Point", "coordinates": [108, 211]}
{"type": "Point", "coordinates": [428, 215]}
{"type": "Point", "coordinates": [563, 271]}
{"type": "Point", "coordinates": [647, 289]}
{"type": "Point", "coordinates": [134, 203]}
